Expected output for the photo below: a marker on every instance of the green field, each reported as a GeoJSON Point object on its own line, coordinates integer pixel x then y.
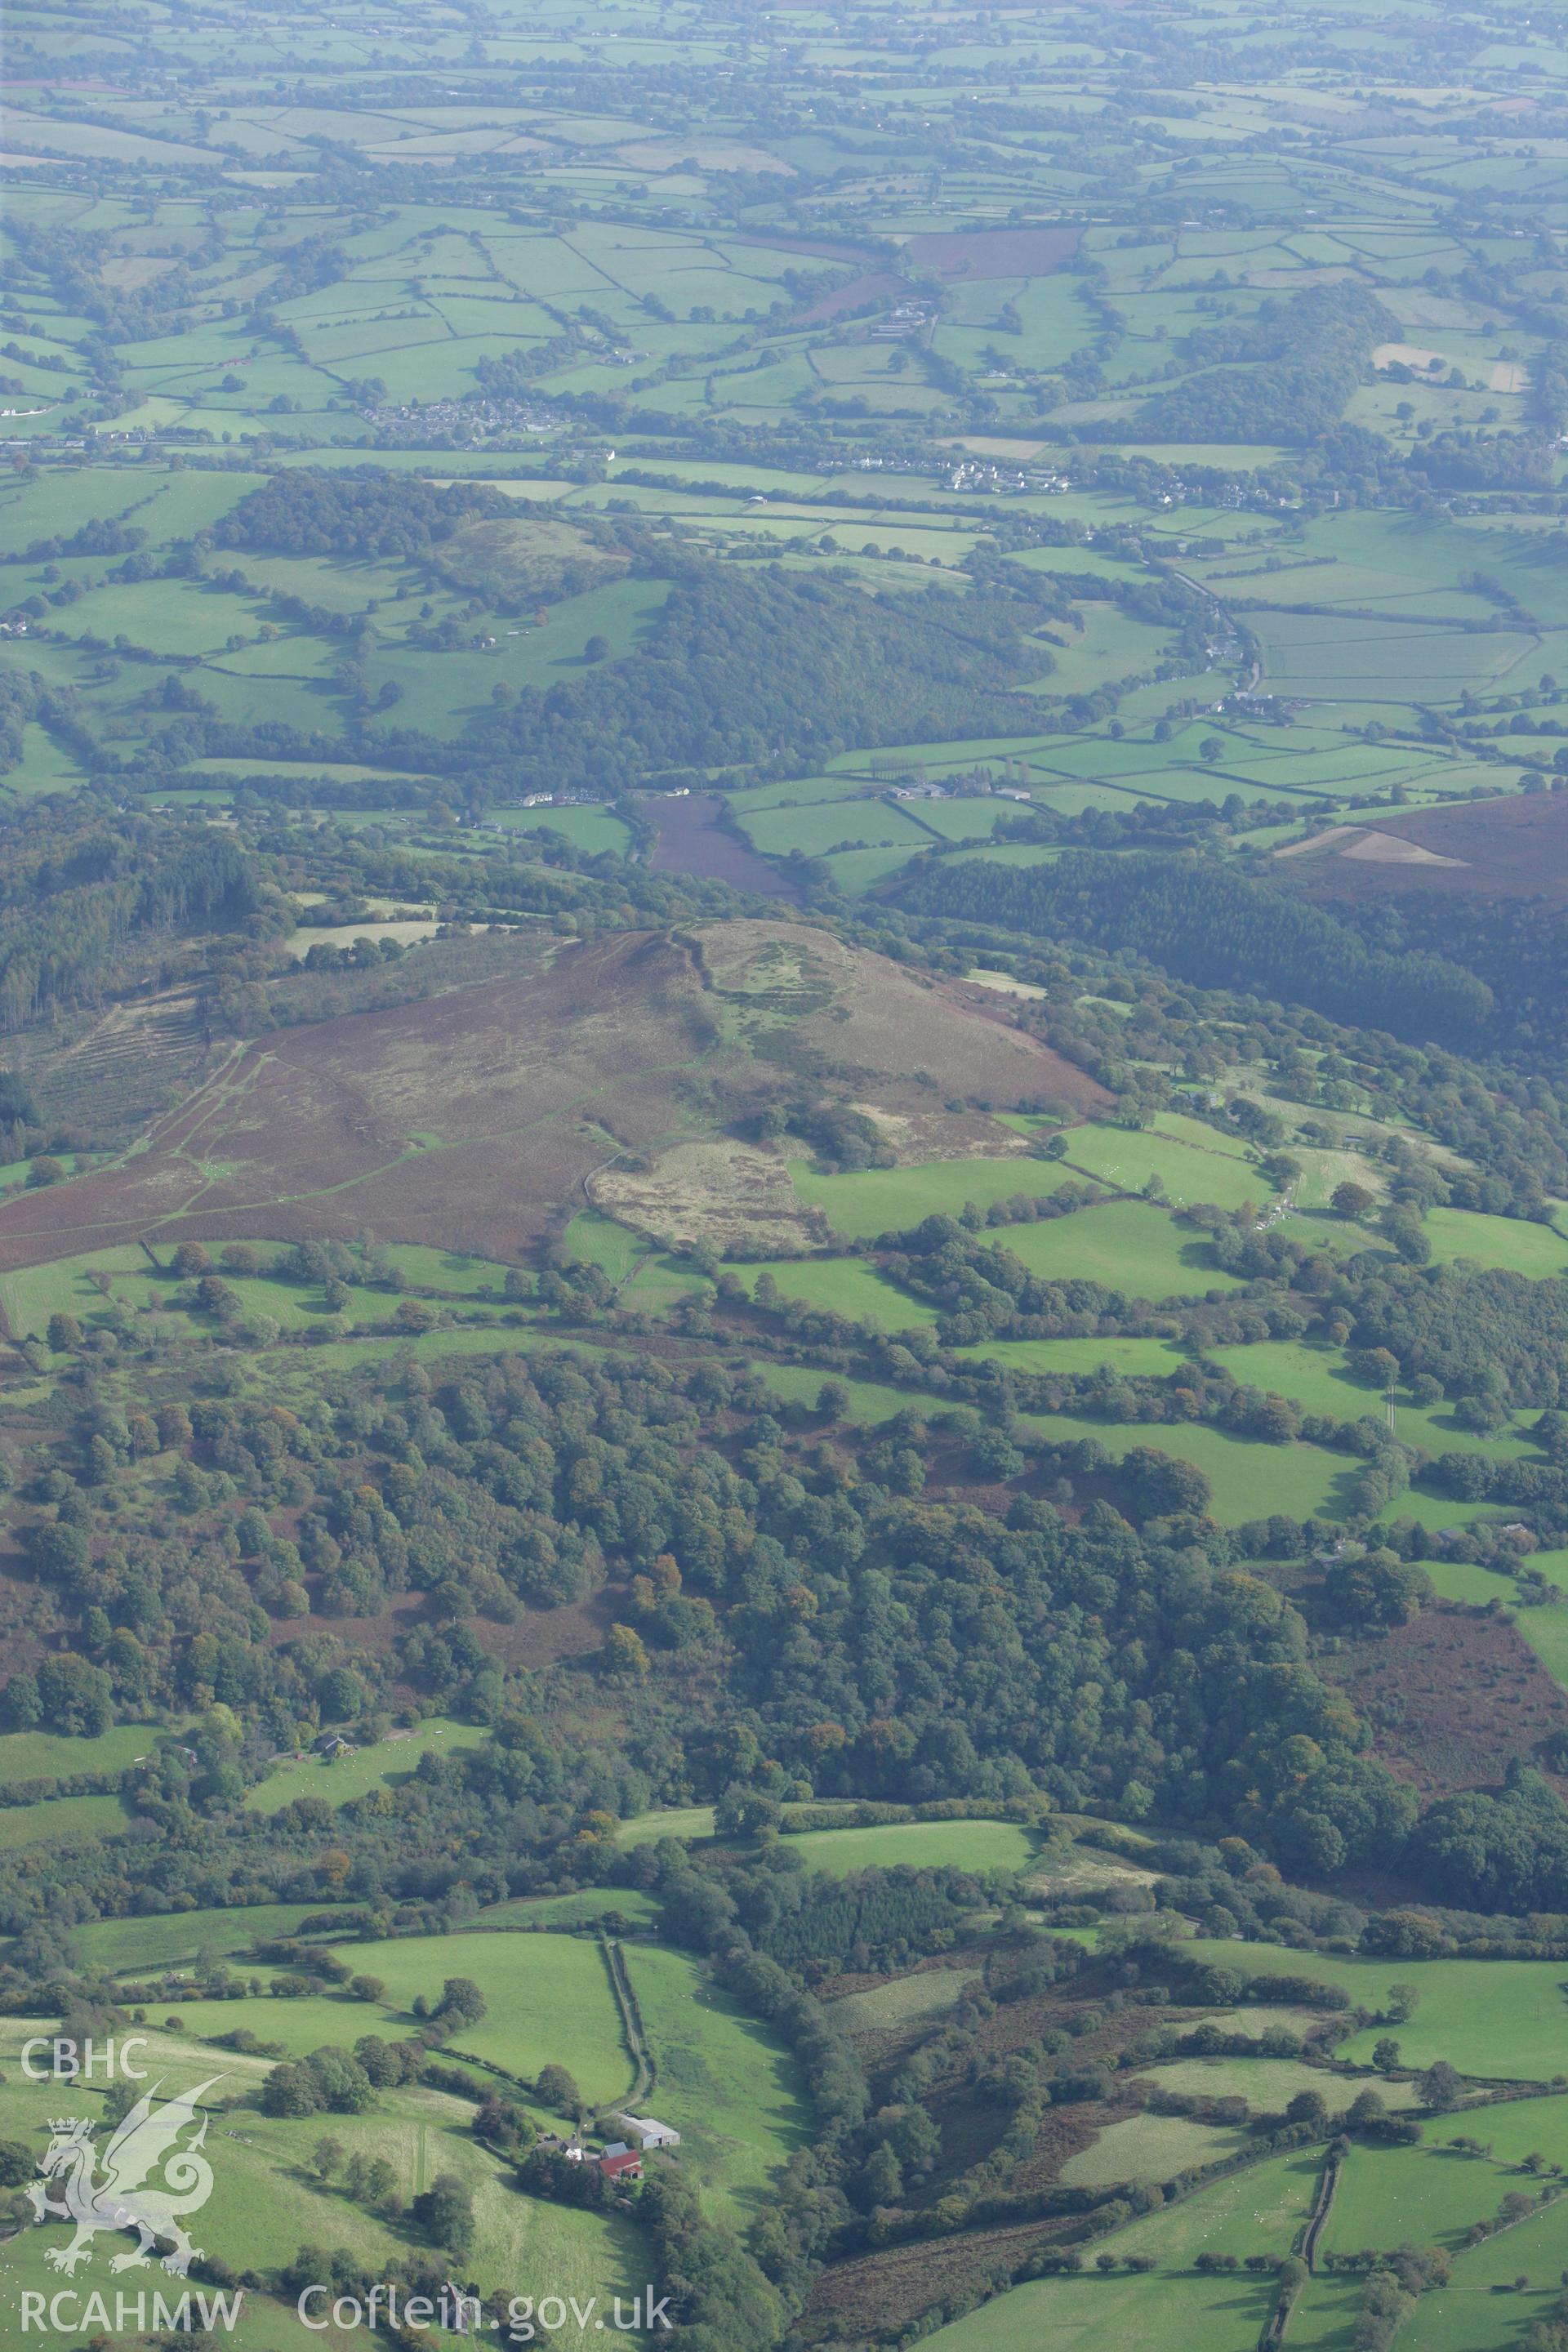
{"type": "Point", "coordinates": [736, 2098]}
{"type": "Point", "coordinates": [644, 1276]}
{"type": "Point", "coordinates": [448, 1270]}
{"type": "Point", "coordinates": [63, 1286]}
{"type": "Point", "coordinates": [1147, 2147]}
{"type": "Point", "coordinates": [688, 1821]}
{"type": "Point", "coordinates": [1197, 1164]}
{"type": "Point", "coordinates": [1386, 2197]}
{"type": "Point", "coordinates": [262, 2206]}
{"type": "Point", "coordinates": [72, 1286]}
{"type": "Point", "coordinates": [1074, 1358]}
{"type": "Point", "coordinates": [1546, 1631]}
{"type": "Point", "coordinates": [1507, 2019]}
{"type": "Point", "coordinates": [158, 1942]}
{"type": "Point", "coordinates": [173, 1938]}
{"type": "Point", "coordinates": [294, 2025]}
{"type": "Point", "coordinates": [1463, 2315]}
{"type": "Point", "coordinates": [1538, 1251]}
{"type": "Point", "coordinates": [1320, 658]}
{"type": "Point", "coordinates": [46, 766]}
{"type": "Point", "coordinates": [49, 1756]}
{"type": "Point", "coordinates": [593, 829]}
{"type": "Point", "coordinates": [902, 2000]}
{"type": "Point", "coordinates": [870, 1401]}
{"type": "Point", "coordinates": [341, 1778]}
{"type": "Point", "coordinates": [1151, 2313]}
{"type": "Point", "coordinates": [62, 1821]}
{"type": "Point", "coordinates": [891, 1199]}
{"type": "Point", "coordinates": [597, 1240]}
{"type": "Point", "coordinates": [1269, 2083]}
{"type": "Point", "coordinates": [857, 871]}
{"type": "Point", "coordinates": [923, 1845]}
{"type": "Point", "coordinates": [1128, 1246]}
{"type": "Point", "coordinates": [1435, 1512]}
{"type": "Point", "coordinates": [1390, 2197]}
{"type": "Point", "coordinates": [1469, 1582]}
{"type": "Point", "coordinates": [590, 1902]}
{"type": "Point", "coordinates": [1249, 1476]}
{"type": "Point", "coordinates": [548, 1998]}
{"type": "Point", "coordinates": [1320, 1380]}
{"type": "Point", "coordinates": [816, 829]}
{"type": "Point", "coordinates": [844, 1285]}
{"type": "Point", "coordinates": [1168, 2309]}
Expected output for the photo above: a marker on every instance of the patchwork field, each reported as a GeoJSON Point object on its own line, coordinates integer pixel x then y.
{"type": "Point", "coordinates": [1257, 2212]}
{"type": "Point", "coordinates": [643, 651]}
{"type": "Point", "coordinates": [1499, 2019]}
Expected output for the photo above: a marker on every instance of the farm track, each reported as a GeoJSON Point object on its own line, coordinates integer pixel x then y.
{"type": "Point", "coordinates": [645, 2076]}
{"type": "Point", "coordinates": [1322, 2206]}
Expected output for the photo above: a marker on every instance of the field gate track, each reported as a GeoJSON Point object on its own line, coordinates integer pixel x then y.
{"type": "Point", "coordinates": [1272, 2335]}
{"type": "Point", "coordinates": [644, 2074]}
{"type": "Point", "coordinates": [1322, 2205]}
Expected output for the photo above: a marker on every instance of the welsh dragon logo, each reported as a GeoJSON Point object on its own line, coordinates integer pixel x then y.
{"type": "Point", "coordinates": [128, 2195]}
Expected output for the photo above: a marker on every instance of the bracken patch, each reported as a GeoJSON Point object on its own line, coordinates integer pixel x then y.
{"type": "Point", "coordinates": [1452, 1697]}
